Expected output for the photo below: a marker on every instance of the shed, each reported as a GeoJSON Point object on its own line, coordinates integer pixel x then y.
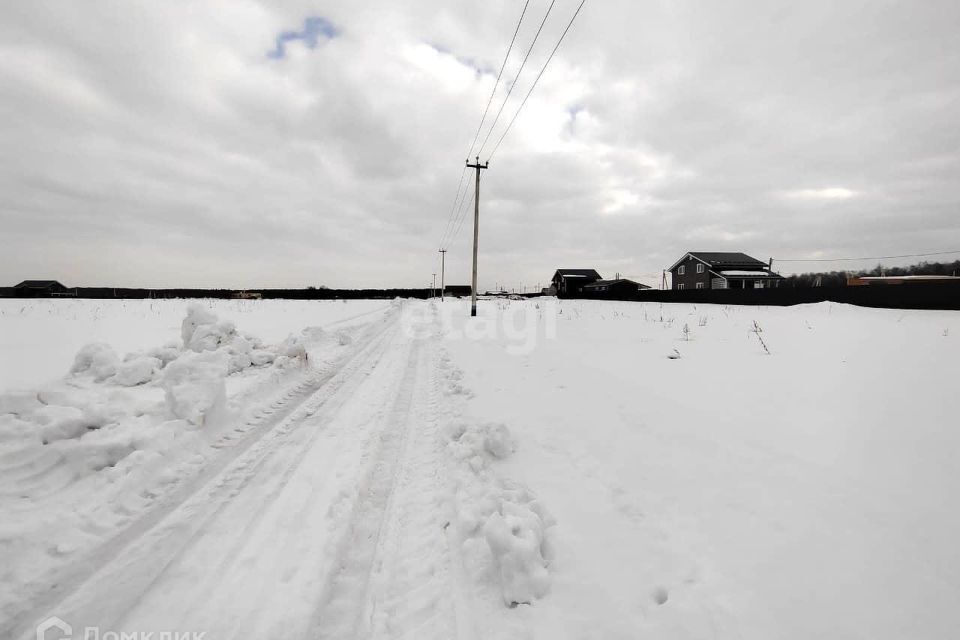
{"type": "Point", "coordinates": [39, 289]}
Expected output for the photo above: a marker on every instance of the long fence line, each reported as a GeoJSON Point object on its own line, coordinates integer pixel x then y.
{"type": "Point", "coordinates": [928, 295]}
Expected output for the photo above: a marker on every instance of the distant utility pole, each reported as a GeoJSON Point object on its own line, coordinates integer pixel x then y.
{"type": "Point", "coordinates": [443, 260]}
{"type": "Point", "coordinates": [476, 232]}
{"type": "Point", "coordinates": [433, 286]}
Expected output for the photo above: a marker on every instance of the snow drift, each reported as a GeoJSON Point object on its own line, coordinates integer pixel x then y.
{"type": "Point", "coordinates": [504, 526]}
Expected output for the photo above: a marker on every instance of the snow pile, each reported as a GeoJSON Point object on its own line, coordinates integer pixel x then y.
{"type": "Point", "coordinates": [292, 352]}
{"type": "Point", "coordinates": [136, 370]}
{"type": "Point", "coordinates": [505, 528]}
{"type": "Point", "coordinates": [477, 444]}
{"type": "Point", "coordinates": [194, 385]}
{"type": "Point", "coordinates": [96, 359]}
{"type": "Point", "coordinates": [516, 534]}
{"type": "Point", "coordinates": [108, 408]}
{"type": "Point", "coordinates": [203, 331]}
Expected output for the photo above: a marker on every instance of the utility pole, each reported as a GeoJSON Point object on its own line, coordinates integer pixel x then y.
{"type": "Point", "coordinates": [433, 286]}
{"type": "Point", "coordinates": [476, 231]}
{"type": "Point", "coordinates": [443, 260]}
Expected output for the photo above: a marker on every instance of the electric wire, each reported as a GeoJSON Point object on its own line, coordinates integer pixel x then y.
{"type": "Point", "coordinates": [534, 85]}
{"type": "Point", "coordinates": [444, 239]}
{"type": "Point", "coordinates": [497, 82]}
{"type": "Point", "coordinates": [517, 77]}
{"type": "Point", "coordinates": [907, 255]}
{"type": "Point", "coordinates": [453, 208]}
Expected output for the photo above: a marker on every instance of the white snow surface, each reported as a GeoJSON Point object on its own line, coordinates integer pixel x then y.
{"type": "Point", "coordinates": [549, 469]}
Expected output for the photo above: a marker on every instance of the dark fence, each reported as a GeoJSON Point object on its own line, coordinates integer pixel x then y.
{"type": "Point", "coordinates": [101, 293]}
{"type": "Point", "coordinates": [927, 295]}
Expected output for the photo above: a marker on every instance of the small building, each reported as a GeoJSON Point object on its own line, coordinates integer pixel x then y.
{"type": "Point", "coordinates": [568, 283]}
{"type": "Point", "coordinates": [247, 295]}
{"type": "Point", "coordinates": [722, 270]}
{"type": "Point", "coordinates": [40, 289]}
{"type": "Point", "coordinates": [459, 290]}
{"type": "Point", "coordinates": [613, 288]}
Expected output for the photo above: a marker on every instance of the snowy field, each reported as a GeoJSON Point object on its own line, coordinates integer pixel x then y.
{"type": "Point", "coordinates": [574, 469]}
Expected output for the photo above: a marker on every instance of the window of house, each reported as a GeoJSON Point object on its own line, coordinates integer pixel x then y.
{"type": "Point", "coordinates": [681, 270]}
{"type": "Point", "coordinates": [680, 286]}
{"type": "Point", "coordinates": [699, 267]}
{"type": "Point", "coordinates": [758, 284]}
{"type": "Point", "coordinates": [701, 285]}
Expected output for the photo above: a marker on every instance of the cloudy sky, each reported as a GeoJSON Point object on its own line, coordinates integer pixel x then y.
{"type": "Point", "coordinates": [249, 143]}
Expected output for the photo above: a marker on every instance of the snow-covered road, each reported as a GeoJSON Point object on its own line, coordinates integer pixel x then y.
{"type": "Point", "coordinates": [324, 519]}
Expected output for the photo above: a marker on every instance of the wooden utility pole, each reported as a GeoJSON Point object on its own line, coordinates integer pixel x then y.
{"type": "Point", "coordinates": [443, 259]}
{"type": "Point", "coordinates": [476, 232]}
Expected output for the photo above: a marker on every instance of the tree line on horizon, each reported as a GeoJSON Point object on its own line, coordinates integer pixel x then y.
{"type": "Point", "coordinates": [839, 278]}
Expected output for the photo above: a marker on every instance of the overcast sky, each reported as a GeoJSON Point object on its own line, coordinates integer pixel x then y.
{"type": "Point", "coordinates": [246, 144]}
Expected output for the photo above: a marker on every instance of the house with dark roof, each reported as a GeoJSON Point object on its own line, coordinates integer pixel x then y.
{"type": "Point", "coordinates": [616, 288]}
{"type": "Point", "coordinates": [39, 289]}
{"type": "Point", "coordinates": [568, 283]}
{"type": "Point", "coordinates": [721, 270]}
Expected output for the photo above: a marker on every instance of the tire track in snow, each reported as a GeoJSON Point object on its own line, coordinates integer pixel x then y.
{"type": "Point", "coordinates": [393, 580]}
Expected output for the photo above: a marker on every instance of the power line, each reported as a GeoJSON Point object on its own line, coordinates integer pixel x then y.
{"type": "Point", "coordinates": [517, 77]}
{"type": "Point", "coordinates": [453, 208]}
{"type": "Point", "coordinates": [451, 219]}
{"type": "Point", "coordinates": [461, 217]}
{"type": "Point", "coordinates": [497, 83]}
{"type": "Point", "coordinates": [907, 255]}
{"type": "Point", "coordinates": [534, 85]}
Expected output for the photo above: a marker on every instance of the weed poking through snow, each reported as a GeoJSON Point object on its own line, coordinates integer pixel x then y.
{"type": "Point", "coordinates": [757, 331]}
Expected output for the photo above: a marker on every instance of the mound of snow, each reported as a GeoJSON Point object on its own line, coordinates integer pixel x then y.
{"type": "Point", "coordinates": [194, 386]}
{"type": "Point", "coordinates": [137, 370]}
{"type": "Point", "coordinates": [61, 423]}
{"type": "Point", "coordinates": [197, 316]}
{"type": "Point", "coordinates": [506, 527]}
{"type": "Point", "coordinates": [96, 359]}
{"type": "Point", "coordinates": [479, 443]}
{"type": "Point", "coordinates": [165, 354]}
{"type": "Point", "coordinates": [516, 535]}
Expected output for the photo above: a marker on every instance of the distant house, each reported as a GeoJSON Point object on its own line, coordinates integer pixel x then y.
{"type": "Point", "coordinates": [613, 288]}
{"type": "Point", "coordinates": [569, 282]}
{"type": "Point", "coordinates": [718, 270]}
{"type": "Point", "coordinates": [459, 290]}
{"type": "Point", "coordinates": [39, 289]}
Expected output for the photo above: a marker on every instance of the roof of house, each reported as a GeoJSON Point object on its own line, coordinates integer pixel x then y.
{"type": "Point", "coordinates": [38, 284]}
{"type": "Point", "coordinates": [720, 259]}
{"type": "Point", "coordinates": [607, 283]}
{"type": "Point", "coordinates": [578, 273]}
{"type": "Point", "coordinates": [737, 273]}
